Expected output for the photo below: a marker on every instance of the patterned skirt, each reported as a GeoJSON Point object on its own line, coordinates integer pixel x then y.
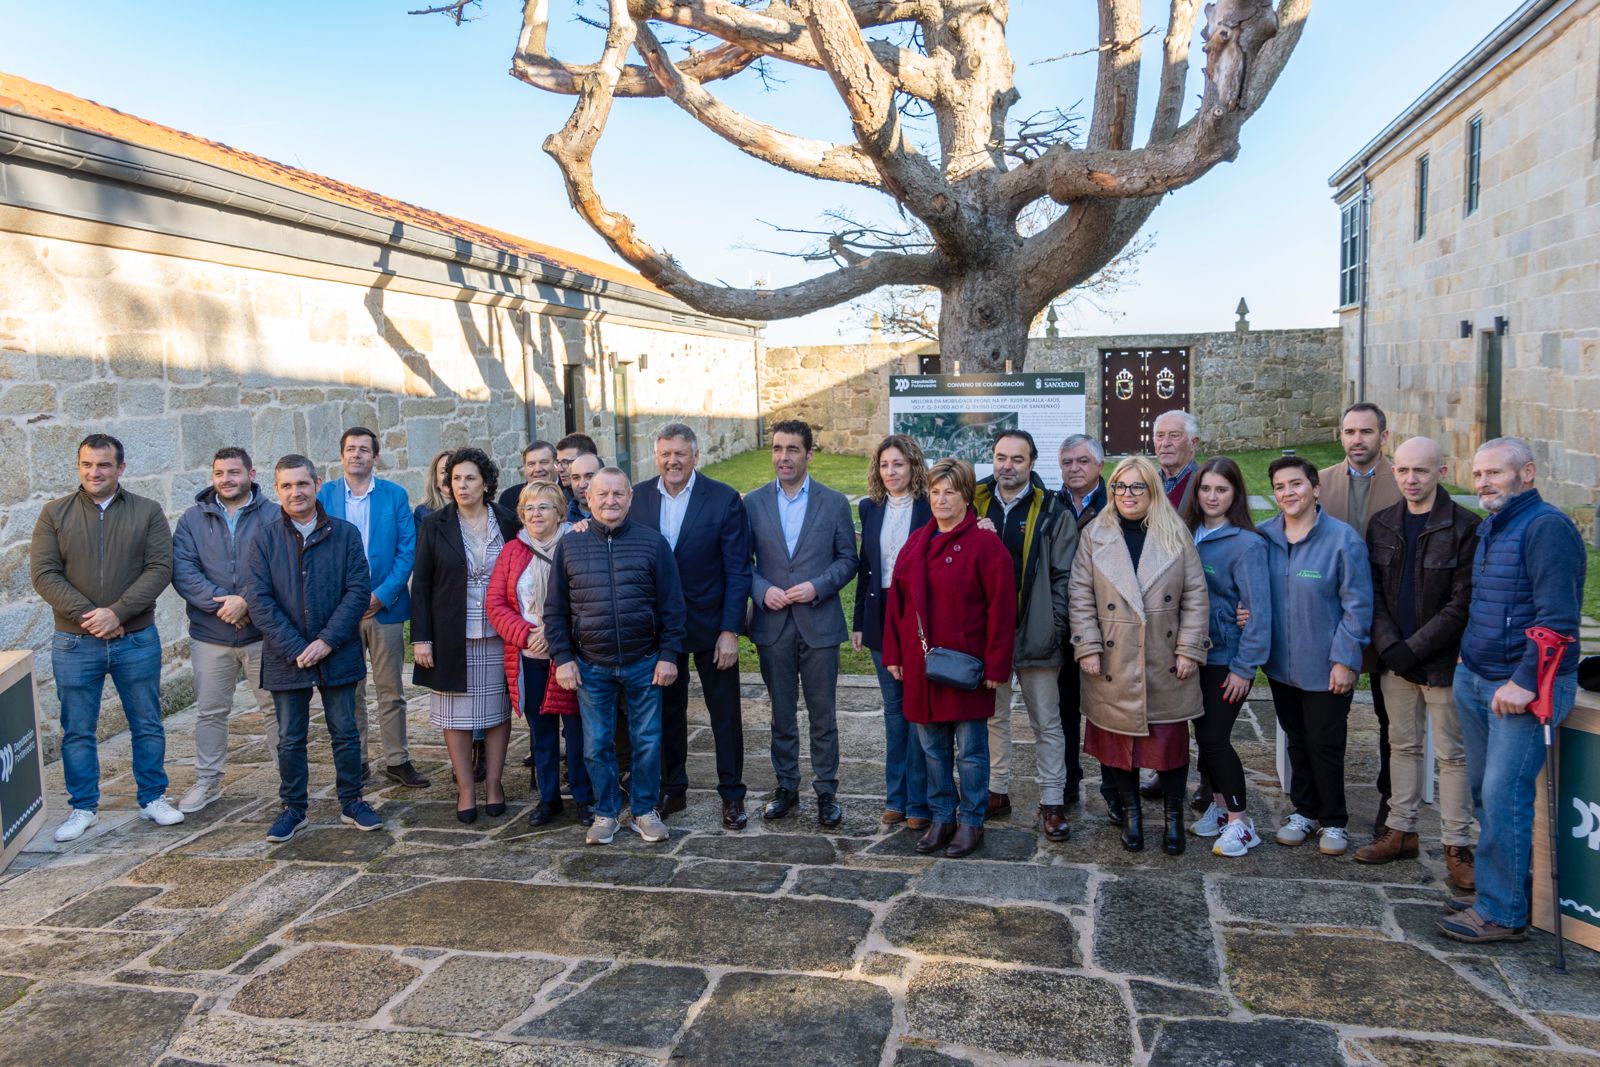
{"type": "Point", "coordinates": [485, 702]}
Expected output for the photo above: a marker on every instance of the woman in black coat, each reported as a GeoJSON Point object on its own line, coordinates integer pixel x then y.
{"type": "Point", "coordinates": [457, 652]}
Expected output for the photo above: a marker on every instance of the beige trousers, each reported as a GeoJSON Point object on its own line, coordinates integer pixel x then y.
{"type": "Point", "coordinates": [1041, 694]}
{"type": "Point", "coordinates": [386, 658]}
{"type": "Point", "coordinates": [1410, 707]}
{"type": "Point", "coordinates": [217, 669]}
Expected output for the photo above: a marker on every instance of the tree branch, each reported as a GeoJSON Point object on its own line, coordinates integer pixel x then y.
{"type": "Point", "coordinates": [1174, 69]}
{"type": "Point", "coordinates": [1116, 86]}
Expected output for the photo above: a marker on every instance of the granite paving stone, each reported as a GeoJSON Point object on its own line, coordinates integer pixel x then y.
{"type": "Point", "coordinates": [11, 989]}
{"type": "Point", "coordinates": [731, 876]}
{"type": "Point", "coordinates": [332, 844]}
{"type": "Point", "coordinates": [46, 953]}
{"type": "Point", "coordinates": [1153, 998]}
{"type": "Point", "coordinates": [197, 882]}
{"type": "Point", "coordinates": [1034, 936]}
{"type": "Point", "coordinates": [365, 889]}
{"type": "Point", "coordinates": [998, 844]}
{"type": "Point", "coordinates": [617, 868]}
{"type": "Point", "coordinates": [1036, 1014]}
{"type": "Point", "coordinates": [1268, 1043]}
{"type": "Point", "coordinates": [1537, 984]}
{"type": "Point", "coordinates": [101, 906]}
{"type": "Point", "coordinates": [755, 1018]}
{"type": "Point", "coordinates": [924, 1057]}
{"type": "Point", "coordinates": [475, 993]}
{"type": "Point", "coordinates": [327, 985]}
{"type": "Point", "coordinates": [218, 941]}
{"type": "Point", "coordinates": [53, 1018]}
{"type": "Point", "coordinates": [1136, 914]}
{"type": "Point", "coordinates": [1276, 900]}
{"type": "Point", "coordinates": [32, 895]}
{"type": "Point", "coordinates": [765, 848]}
{"type": "Point", "coordinates": [512, 866]}
{"type": "Point", "coordinates": [1415, 1052]}
{"type": "Point", "coordinates": [1005, 881]}
{"type": "Point", "coordinates": [1573, 1028]}
{"type": "Point", "coordinates": [638, 1006]}
{"type": "Point", "coordinates": [849, 883]}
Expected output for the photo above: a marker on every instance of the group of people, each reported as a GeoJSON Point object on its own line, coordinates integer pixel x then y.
{"type": "Point", "coordinates": [1127, 606]}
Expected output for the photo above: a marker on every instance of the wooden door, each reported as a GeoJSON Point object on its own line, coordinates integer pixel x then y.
{"type": "Point", "coordinates": [1136, 385]}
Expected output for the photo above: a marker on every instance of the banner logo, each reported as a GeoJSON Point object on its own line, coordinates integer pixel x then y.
{"type": "Point", "coordinates": [1589, 812]}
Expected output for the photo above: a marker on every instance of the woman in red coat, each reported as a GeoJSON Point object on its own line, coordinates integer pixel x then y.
{"type": "Point", "coordinates": [953, 588]}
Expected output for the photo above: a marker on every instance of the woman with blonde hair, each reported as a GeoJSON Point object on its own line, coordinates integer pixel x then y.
{"type": "Point", "coordinates": [436, 494]}
{"type": "Point", "coordinates": [1139, 613]}
{"type": "Point", "coordinates": [896, 504]}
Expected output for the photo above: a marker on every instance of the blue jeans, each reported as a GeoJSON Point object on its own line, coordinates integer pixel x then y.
{"type": "Point", "coordinates": [1504, 757]}
{"type": "Point", "coordinates": [294, 720]}
{"type": "Point", "coordinates": [545, 732]}
{"type": "Point", "coordinates": [133, 661]}
{"type": "Point", "coordinates": [969, 758]}
{"type": "Point", "coordinates": [597, 702]}
{"type": "Point", "coordinates": [905, 770]}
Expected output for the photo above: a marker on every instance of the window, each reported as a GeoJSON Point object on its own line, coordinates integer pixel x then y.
{"type": "Point", "coordinates": [1474, 160]}
{"type": "Point", "coordinates": [1422, 197]}
{"type": "Point", "coordinates": [1352, 226]}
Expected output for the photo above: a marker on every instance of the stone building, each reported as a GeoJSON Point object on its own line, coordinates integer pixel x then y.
{"type": "Point", "coordinates": [1469, 283]}
{"type": "Point", "coordinates": [185, 295]}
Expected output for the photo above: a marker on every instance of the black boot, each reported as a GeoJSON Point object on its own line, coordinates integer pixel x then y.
{"type": "Point", "coordinates": [1114, 809]}
{"type": "Point", "coordinates": [1132, 823]}
{"type": "Point", "coordinates": [1173, 841]}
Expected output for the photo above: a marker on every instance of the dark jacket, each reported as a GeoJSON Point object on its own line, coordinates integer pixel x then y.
{"type": "Point", "coordinates": [1528, 571]}
{"type": "Point", "coordinates": [713, 556]}
{"type": "Point", "coordinates": [439, 596]}
{"type": "Point", "coordinates": [871, 595]}
{"type": "Point", "coordinates": [298, 593]}
{"type": "Point", "coordinates": [824, 555]}
{"type": "Point", "coordinates": [1091, 507]}
{"type": "Point", "coordinates": [1049, 541]}
{"type": "Point", "coordinates": [83, 558]}
{"type": "Point", "coordinates": [1443, 588]}
{"type": "Point", "coordinates": [208, 562]}
{"type": "Point", "coordinates": [614, 597]}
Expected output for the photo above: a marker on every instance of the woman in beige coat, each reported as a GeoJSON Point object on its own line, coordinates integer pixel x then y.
{"type": "Point", "coordinates": [1138, 608]}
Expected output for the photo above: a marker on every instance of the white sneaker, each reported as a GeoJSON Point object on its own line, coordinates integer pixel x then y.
{"type": "Point", "coordinates": [650, 827]}
{"type": "Point", "coordinates": [76, 824]}
{"type": "Point", "coordinates": [161, 812]}
{"type": "Point", "coordinates": [1237, 839]}
{"type": "Point", "coordinates": [1332, 841]}
{"type": "Point", "coordinates": [203, 792]}
{"type": "Point", "coordinates": [601, 831]}
{"type": "Point", "coordinates": [1296, 829]}
{"type": "Point", "coordinates": [1211, 823]}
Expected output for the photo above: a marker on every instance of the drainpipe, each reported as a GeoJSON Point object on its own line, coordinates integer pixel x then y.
{"type": "Point", "coordinates": [1361, 314]}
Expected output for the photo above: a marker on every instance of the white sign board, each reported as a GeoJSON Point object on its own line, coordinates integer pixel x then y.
{"type": "Point", "coordinates": [960, 415]}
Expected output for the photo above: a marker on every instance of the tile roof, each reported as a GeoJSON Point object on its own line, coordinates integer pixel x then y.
{"type": "Point", "coordinates": [52, 105]}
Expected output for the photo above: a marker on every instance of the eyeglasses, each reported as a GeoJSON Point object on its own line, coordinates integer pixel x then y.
{"type": "Point", "coordinates": [563, 463]}
{"type": "Point", "coordinates": [1129, 489]}
{"type": "Point", "coordinates": [538, 508]}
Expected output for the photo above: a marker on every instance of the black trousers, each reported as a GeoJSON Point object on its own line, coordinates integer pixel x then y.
{"type": "Point", "coordinates": [1213, 735]}
{"type": "Point", "coordinates": [1314, 726]}
{"type": "Point", "coordinates": [1069, 684]}
{"type": "Point", "coordinates": [727, 727]}
{"type": "Point", "coordinates": [1382, 712]}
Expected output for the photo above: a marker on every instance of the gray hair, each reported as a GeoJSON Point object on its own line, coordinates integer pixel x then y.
{"type": "Point", "coordinates": [1521, 453]}
{"type": "Point", "coordinates": [678, 429]}
{"type": "Point", "coordinates": [1096, 449]}
{"type": "Point", "coordinates": [1191, 425]}
{"type": "Point", "coordinates": [618, 471]}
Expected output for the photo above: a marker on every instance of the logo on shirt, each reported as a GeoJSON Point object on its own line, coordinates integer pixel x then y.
{"type": "Point", "coordinates": [1309, 573]}
{"type": "Point", "coordinates": [1208, 568]}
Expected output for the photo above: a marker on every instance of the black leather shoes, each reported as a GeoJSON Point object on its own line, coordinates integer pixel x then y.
{"type": "Point", "coordinates": [543, 814]}
{"type": "Point", "coordinates": [672, 802]}
{"type": "Point", "coordinates": [829, 813]}
{"type": "Point", "coordinates": [782, 803]}
{"type": "Point", "coordinates": [966, 839]}
{"type": "Point", "coordinates": [733, 815]}
{"type": "Point", "coordinates": [406, 775]}
{"type": "Point", "coordinates": [937, 837]}
{"type": "Point", "coordinates": [1132, 823]}
{"type": "Point", "coordinates": [1173, 837]}
{"type": "Point", "coordinates": [468, 815]}
{"type": "Point", "coordinates": [494, 811]}
{"type": "Point", "coordinates": [584, 815]}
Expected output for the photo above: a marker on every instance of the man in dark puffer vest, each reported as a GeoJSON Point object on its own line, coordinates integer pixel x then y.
{"type": "Point", "coordinates": [614, 618]}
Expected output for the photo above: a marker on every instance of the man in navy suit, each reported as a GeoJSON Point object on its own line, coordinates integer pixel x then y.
{"type": "Point", "coordinates": [704, 522]}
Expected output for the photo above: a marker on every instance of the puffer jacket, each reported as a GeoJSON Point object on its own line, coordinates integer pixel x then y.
{"type": "Point", "coordinates": [208, 562]}
{"type": "Point", "coordinates": [298, 593]}
{"type": "Point", "coordinates": [84, 558]}
{"type": "Point", "coordinates": [614, 597]}
{"type": "Point", "coordinates": [1443, 588]}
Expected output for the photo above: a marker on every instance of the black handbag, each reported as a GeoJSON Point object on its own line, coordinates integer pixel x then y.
{"type": "Point", "coordinates": [948, 667]}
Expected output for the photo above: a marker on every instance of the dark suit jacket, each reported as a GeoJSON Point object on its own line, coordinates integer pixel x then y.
{"type": "Point", "coordinates": [713, 556]}
{"type": "Point", "coordinates": [824, 555]}
{"type": "Point", "coordinates": [439, 596]}
{"type": "Point", "coordinates": [869, 574]}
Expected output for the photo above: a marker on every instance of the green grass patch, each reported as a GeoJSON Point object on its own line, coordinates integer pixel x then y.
{"type": "Point", "coordinates": [753, 469]}
{"type": "Point", "coordinates": [1591, 586]}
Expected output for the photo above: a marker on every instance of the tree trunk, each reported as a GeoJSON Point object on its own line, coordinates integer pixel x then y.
{"type": "Point", "coordinates": [982, 323]}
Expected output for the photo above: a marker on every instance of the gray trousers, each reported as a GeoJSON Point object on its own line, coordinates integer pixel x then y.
{"type": "Point", "coordinates": [217, 669]}
{"type": "Point", "coordinates": [1042, 695]}
{"type": "Point", "coordinates": [788, 666]}
{"type": "Point", "coordinates": [386, 656]}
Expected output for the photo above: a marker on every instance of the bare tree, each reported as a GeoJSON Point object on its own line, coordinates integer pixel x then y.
{"type": "Point", "coordinates": [947, 59]}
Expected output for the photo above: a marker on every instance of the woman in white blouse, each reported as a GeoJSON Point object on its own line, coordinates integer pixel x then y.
{"type": "Point", "coordinates": [896, 503]}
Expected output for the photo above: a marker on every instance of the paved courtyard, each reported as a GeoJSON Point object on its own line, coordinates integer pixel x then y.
{"type": "Point", "coordinates": [430, 942]}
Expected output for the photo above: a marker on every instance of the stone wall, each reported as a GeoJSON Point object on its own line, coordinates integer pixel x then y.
{"type": "Point", "coordinates": [1250, 388]}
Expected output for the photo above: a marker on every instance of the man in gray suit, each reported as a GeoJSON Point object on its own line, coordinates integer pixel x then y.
{"type": "Point", "coordinates": [805, 549]}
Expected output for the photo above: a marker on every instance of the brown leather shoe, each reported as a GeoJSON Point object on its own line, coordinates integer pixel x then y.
{"type": "Point", "coordinates": [918, 824]}
{"type": "Point", "coordinates": [892, 817]}
{"type": "Point", "coordinates": [1458, 863]}
{"type": "Point", "coordinates": [1053, 819]}
{"type": "Point", "coordinates": [1391, 845]}
{"type": "Point", "coordinates": [966, 840]}
{"type": "Point", "coordinates": [937, 837]}
{"type": "Point", "coordinates": [999, 804]}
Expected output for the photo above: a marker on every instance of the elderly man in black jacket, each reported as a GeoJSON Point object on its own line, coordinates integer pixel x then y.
{"type": "Point", "coordinates": [1421, 551]}
{"type": "Point", "coordinates": [614, 620]}
{"type": "Point", "coordinates": [307, 584]}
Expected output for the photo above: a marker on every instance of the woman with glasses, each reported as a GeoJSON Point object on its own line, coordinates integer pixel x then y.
{"type": "Point", "coordinates": [895, 505]}
{"type": "Point", "coordinates": [516, 608]}
{"type": "Point", "coordinates": [1234, 556]}
{"type": "Point", "coordinates": [1138, 609]}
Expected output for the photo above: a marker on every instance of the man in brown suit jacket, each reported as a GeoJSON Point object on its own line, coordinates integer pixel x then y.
{"type": "Point", "coordinates": [1354, 490]}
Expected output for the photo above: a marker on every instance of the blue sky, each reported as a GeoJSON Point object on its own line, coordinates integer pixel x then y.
{"type": "Point", "coordinates": [422, 110]}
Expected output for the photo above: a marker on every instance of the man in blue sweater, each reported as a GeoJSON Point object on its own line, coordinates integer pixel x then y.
{"type": "Point", "coordinates": [1528, 571]}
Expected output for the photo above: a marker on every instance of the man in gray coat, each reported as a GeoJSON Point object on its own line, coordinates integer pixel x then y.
{"type": "Point", "coordinates": [805, 552]}
{"type": "Point", "coordinates": [208, 572]}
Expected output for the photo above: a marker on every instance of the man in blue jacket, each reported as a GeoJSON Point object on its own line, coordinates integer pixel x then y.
{"type": "Point", "coordinates": [704, 522]}
{"type": "Point", "coordinates": [207, 571]}
{"type": "Point", "coordinates": [306, 586]}
{"type": "Point", "coordinates": [381, 512]}
{"type": "Point", "coordinates": [1528, 571]}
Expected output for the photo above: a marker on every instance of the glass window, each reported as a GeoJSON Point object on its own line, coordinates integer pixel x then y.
{"type": "Point", "coordinates": [1474, 160]}
{"type": "Point", "coordinates": [1422, 197]}
{"type": "Point", "coordinates": [1352, 227]}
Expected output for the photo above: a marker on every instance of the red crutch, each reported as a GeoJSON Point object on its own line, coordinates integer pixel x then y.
{"type": "Point", "coordinates": [1551, 646]}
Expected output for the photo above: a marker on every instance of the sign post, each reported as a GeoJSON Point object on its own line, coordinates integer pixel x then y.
{"type": "Point", "coordinates": [959, 416]}
{"type": "Point", "coordinates": [22, 806]}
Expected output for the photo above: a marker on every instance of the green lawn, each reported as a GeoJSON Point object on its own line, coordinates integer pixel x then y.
{"type": "Point", "coordinates": [753, 469]}
{"type": "Point", "coordinates": [1591, 586]}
